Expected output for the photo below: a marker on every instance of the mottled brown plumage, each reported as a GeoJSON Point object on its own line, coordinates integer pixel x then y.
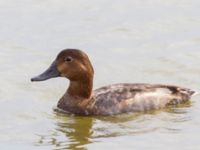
{"type": "Point", "coordinates": [109, 100]}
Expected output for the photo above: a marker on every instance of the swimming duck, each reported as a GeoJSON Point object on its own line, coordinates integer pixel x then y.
{"type": "Point", "coordinates": [113, 99]}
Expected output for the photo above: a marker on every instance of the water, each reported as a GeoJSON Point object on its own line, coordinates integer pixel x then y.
{"type": "Point", "coordinates": [154, 41]}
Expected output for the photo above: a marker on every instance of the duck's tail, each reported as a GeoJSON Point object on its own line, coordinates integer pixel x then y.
{"type": "Point", "coordinates": [181, 95]}
{"type": "Point", "coordinates": [194, 93]}
{"type": "Point", "coordinates": [188, 92]}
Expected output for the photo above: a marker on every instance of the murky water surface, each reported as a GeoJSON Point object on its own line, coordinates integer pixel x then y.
{"type": "Point", "coordinates": [153, 41]}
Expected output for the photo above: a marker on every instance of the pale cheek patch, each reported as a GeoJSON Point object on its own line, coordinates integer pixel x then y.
{"type": "Point", "coordinates": [82, 67]}
{"type": "Point", "coordinates": [61, 67]}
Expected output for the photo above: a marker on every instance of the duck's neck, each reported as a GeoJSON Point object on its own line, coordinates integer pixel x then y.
{"type": "Point", "coordinates": [81, 88]}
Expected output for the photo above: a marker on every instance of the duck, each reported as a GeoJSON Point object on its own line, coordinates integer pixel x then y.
{"type": "Point", "coordinates": [114, 99]}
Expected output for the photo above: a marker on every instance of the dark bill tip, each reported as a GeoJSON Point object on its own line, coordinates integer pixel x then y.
{"type": "Point", "coordinates": [37, 79]}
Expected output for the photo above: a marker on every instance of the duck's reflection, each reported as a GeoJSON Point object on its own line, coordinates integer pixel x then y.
{"type": "Point", "coordinates": [76, 132]}
{"type": "Point", "coordinates": [71, 132]}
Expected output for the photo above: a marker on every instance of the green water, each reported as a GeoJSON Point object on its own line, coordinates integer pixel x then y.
{"type": "Point", "coordinates": [154, 41]}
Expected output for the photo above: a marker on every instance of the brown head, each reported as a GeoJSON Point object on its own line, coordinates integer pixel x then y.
{"type": "Point", "coordinates": [75, 65]}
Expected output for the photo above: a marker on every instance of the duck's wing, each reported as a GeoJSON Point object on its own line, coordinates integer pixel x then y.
{"type": "Point", "coordinates": [119, 98]}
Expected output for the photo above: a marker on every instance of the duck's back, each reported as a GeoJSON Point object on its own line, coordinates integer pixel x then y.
{"type": "Point", "coordinates": [121, 98]}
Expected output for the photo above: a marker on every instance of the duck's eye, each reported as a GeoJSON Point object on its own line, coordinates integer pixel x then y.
{"type": "Point", "coordinates": [68, 59]}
